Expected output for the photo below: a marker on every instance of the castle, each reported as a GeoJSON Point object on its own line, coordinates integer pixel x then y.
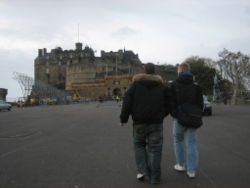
{"type": "Point", "coordinates": [91, 76]}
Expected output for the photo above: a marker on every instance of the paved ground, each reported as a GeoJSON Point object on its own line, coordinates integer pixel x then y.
{"type": "Point", "coordinates": [81, 146]}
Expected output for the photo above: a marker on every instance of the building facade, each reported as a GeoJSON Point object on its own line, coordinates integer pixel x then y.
{"type": "Point", "coordinates": [81, 71]}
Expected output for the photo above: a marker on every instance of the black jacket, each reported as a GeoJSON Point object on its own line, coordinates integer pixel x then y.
{"type": "Point", "coordinates": [187, 92]}
{"type": "Point", "coordinates": [146, 100]}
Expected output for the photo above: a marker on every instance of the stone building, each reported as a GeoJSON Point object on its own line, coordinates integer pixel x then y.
{"type": "Point", "coordinates": [3, 94]}
{"type": "Point", "coordinates": [81, 71]}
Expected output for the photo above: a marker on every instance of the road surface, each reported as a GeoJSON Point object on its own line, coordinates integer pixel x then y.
{"type": "Point", "coordinates": [82, 146]}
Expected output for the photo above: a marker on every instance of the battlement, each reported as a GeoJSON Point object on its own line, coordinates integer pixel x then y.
{"type": "Point", "coordinates": [58, 53]}
{"type": "Point", "coordinates": [119, 53]}
{"type": "Point", "coordinates": [58, 56]}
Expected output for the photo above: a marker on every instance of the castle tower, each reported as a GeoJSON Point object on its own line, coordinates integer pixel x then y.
{"type": "Point", "coordinates": [79, 46]}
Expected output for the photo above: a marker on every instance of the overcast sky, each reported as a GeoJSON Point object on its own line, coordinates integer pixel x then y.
{"type": "Point", "coordinates": [165, 31]}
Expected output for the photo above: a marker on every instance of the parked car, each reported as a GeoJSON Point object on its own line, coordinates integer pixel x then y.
{"type": "Point", "coordinates": [207, 109]}
{"type": "Point", "coordinates": [4, 106]}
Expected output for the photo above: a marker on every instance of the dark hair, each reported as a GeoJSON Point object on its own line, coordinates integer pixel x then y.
{"type": "Point", "coordinates": [149, 68]}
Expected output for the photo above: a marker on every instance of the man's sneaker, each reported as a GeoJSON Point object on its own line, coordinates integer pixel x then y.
{"type": "Point", "coordinates": [179, 168]}
{"type": "Point", "coordinates": [191, 175]}
{"type": "Point", "coordinates": [140, 176]}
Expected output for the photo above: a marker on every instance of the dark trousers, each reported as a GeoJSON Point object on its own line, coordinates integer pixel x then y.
{"type": "Point", "coordinates": [148, 140]}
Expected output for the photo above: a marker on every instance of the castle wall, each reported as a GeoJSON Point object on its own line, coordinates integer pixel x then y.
{"type": "Point", "coordinates": [51, 73]}
{"type": "Point", "coordinates": [89, 73]}
{"type": "Point", "coordinates": [121, 82]}
{"type": "Point", "coordinates": [109, 86]}
{"type": "Point", "coordinates": [81, 73]}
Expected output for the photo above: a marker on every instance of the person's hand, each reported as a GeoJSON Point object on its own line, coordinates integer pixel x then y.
{"type": "Point", "coordinates": [122, 124]}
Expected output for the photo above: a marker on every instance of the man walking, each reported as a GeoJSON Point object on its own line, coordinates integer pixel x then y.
{"type": "Point", "coordinates": [146, 100]}
{"type": "Point", "coordinates": [185, 91]}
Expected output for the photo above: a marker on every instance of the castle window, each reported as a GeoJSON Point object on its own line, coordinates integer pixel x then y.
{"type": "Point", "coordinates": [47, 71]}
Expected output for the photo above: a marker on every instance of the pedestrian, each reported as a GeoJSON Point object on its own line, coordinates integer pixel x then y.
{"type": "Point", "coordinates": [117, 98]}
{"type": "Point", "coordinates": [185, 92]}
{"type": "Point", "coordinates": [147, 102]}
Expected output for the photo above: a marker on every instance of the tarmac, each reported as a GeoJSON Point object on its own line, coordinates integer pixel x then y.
{"type": "Point", "coordinates": [82, 146]}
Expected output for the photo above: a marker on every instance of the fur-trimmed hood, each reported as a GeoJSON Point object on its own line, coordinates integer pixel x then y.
{"type": "Point", "coordinates": [149, 77]}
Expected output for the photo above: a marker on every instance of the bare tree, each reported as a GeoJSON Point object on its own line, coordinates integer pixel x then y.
{"type": "Point", "coordinates": [234, 67]}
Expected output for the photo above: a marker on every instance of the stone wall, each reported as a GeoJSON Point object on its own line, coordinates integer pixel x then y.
{"type": "Point", "coordinates": [109, 86]}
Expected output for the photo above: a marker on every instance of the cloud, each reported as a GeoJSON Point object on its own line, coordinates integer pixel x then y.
{"type": "Point", "coordinates": [159, 31]}
{"type": "Point", "coordinates": [14, 61]}
{"type": "Point", "coordinates": [124, 32]}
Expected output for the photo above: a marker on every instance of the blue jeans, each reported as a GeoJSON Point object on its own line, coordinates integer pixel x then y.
{"type": "Point", "coordinates": [148, 140]}
{"type": "Point", "coordinates": [185, 146]}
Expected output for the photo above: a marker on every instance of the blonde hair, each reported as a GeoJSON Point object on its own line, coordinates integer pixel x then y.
{"type": "Point", "coordinates": [183, 67]}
